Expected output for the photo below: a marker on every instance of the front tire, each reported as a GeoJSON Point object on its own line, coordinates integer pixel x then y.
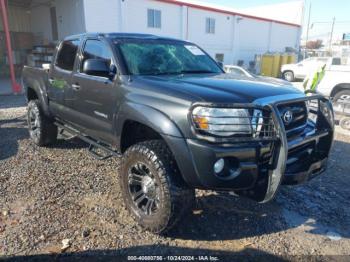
{"type": "Point", "coordinates": [152, 187]}
{"type": "Point", "coordinates": [41, 129]}
{"type": "Point", "coordinates": [345, 123]}
{"type": "Point", "coordinates": [288, 75]}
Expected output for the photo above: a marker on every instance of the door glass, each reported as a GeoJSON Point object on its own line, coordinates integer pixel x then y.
{"type": "Point", "coordinates": [336, 61]}
{"type": "Point", "coordinates": [66, 55]}
{"type": "Point", "coordinates": [95, 49]}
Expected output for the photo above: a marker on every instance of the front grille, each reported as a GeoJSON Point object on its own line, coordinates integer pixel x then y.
{"type": "Point", "coordinates": [294, 116]}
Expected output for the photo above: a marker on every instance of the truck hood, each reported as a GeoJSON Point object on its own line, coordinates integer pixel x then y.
{"type": "Point", "coordinates": [273, 80]}
{"type": "Point", "coordinates": [286, 67]}
{"type": "Point", "coordinates": [216, 88]}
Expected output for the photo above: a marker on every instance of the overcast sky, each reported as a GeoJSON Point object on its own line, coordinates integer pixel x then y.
{"type": "Point", "coordinates": [321, 11]}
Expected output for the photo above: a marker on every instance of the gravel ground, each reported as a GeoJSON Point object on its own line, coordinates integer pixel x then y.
{"type": "Point", "coordinates": [51, 194]}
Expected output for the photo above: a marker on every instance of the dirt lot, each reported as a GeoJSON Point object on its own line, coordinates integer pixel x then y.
{"type": "Point", "coordinates": [51, 194]}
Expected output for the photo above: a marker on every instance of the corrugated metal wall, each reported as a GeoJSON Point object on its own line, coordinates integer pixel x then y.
{"type": "Point", "coordinates": [19, 19]}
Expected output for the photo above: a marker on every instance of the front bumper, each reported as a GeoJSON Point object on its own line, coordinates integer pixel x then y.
{"type": "Point", "coordinates": [245, 162]}
{"type": "Point", "coordinates": [257, 168]}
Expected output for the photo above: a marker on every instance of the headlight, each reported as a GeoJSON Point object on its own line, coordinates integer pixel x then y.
{"type": "Point", "coordinates": [325, 107]}
{"type": "Point", "coordinates": [312, 108]}
{"type": "Point", "coordinates": [227, 121]}
{"type": "Point", "coordinates": [327, 111]}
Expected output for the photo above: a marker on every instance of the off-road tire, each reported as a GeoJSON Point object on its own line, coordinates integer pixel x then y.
{"type": "Point", "coordinates": [45, 132]}
{"type": "Point", "coordinates": [288, 76]}
{"type": "Point", "coordinates": [176, 198]}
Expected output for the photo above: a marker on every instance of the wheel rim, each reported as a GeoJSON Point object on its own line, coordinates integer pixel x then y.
{"type": "Point", "coordinates": [288, 76]}
{"type": "Point", "coordinates": [345, 123]}
{"type": "Point", "coordinates": [341, 99]}
{"type": "Point", "coordinates": [34, 122]}
{"type": "Point", "coordinates": [143, 188]}
{"type": "Point", "coordinates": [344, 97]}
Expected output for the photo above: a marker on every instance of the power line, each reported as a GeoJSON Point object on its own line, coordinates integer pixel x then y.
{"type": "Point", "coordinates": [330, 22]}
{"type": "Point", "coordinates": [319, 35]}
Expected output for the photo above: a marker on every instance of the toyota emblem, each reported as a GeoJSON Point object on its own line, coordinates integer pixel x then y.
{"type": "Point", "coordinates": [288, 117]}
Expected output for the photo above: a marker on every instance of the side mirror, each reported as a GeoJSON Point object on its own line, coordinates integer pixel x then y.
{"type": "Point", "coordinates": [221, 64]}
{"type": "Point", "coordinates": [96, 67]}
{"type": "Point", "coordinates": [112, 71]}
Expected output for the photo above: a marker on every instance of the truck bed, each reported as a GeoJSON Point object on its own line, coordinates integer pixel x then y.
{"type": "Point", "coordinates": [30, 72]}
{"type": "Point", "coordinates": [35, 77]}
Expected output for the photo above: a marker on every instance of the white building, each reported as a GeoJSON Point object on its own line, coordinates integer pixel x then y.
{"type": "Point", "coordinates": [227, 34]}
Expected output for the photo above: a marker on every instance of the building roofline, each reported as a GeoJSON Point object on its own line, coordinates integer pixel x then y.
{"type": "Point", "coordinates": [220, 10]}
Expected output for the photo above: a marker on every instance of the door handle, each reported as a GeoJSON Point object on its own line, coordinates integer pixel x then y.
{"type": "Point", "coordinates": [76, 87]}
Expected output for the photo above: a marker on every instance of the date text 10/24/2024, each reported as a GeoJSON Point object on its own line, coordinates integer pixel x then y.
{"type": "Point", "coordinates": [173, 258]}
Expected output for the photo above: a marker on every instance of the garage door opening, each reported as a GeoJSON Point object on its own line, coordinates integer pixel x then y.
{"type": "Point", "coordinates": [35, 26]}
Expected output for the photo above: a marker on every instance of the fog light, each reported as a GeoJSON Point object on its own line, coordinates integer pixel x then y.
{"type": "Point", "coordinates": [219, 165]}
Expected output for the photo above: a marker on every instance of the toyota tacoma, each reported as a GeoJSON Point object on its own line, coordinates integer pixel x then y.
{"type": "Point", "coordinates": [177, 121]}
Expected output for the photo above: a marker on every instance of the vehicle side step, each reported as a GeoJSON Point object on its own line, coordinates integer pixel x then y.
{"type": "Point", "coordinates": [93, 151]}
{"type": "Point", "coordinates": [94, 145]}
{"type": "Point", "coordinates": [64, 135]}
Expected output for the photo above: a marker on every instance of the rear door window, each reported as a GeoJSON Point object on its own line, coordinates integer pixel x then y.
{"type": "Point", "coordinates": [336, 61]}
{"type": "Point", "coordinates": [66, 55]}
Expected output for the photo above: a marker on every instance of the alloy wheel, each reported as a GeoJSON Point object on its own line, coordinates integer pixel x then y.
{"type": "Point", "coordinates": [34, 122]}
{"type": "Point", "coordinates": [288, 76]}
{"type": "Point", "coordinates": [344, 98]}
{"type": "Point", "coordinates": [143, 188]}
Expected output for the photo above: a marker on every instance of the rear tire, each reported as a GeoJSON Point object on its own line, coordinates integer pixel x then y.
{"type": "Point", "coordinates": [288, 75]}
{"type": "Point", "coordinates": [342, 95]}
{"type": "Point", "coordinates": [41, 129]}
{"type": "Point", "coordinates": [152, 188]}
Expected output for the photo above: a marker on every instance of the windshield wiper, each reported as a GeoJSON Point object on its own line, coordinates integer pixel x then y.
{"type": "Point", "coordinates": [183, 72]}
{"type": "Point", "coordinates": [197, 72]}
{"type": "Point", "coordinates": [164, 73]}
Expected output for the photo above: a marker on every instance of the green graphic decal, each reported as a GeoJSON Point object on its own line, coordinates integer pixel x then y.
{"type": "Point", "coordinates": [59, 83]}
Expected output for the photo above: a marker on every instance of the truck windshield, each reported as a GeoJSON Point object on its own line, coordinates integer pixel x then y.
{"type": "Point", "coordinates": [156, 58]}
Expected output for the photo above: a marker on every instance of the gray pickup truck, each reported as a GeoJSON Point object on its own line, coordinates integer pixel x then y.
{"type": "Point", "coordinates": [177, 121]}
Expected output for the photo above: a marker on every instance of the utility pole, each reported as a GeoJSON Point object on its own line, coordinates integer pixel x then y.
{"type": "Point", "coordinates": [331, 36]}
{"type": "Point", "coordinates": [307, 30]}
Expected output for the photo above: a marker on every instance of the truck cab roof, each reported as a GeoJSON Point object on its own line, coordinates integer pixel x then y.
{"type": "Point", "coordinates": [116, 36]}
